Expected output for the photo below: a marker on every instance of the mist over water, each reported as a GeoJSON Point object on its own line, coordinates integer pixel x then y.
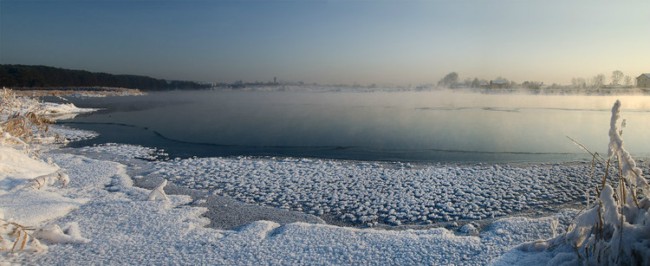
{"type": "Point", "coordinates": [420, 126]}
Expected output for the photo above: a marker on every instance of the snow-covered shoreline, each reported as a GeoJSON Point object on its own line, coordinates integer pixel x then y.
{"type": "Point", "coordinates": [82, 205]}
{"type": "Point", "coordinates": [117, 225]}
{"type": "Point", "coordinates": [97, 215]}
{"type": "Point", "coordinates": [450, 195]}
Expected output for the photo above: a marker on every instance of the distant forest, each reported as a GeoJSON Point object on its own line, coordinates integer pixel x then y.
{"type": "Point", "coordinates": [17, 76]}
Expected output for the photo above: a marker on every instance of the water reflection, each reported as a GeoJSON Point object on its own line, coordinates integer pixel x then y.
{"type": "Point", "coordinates": [430, 126]}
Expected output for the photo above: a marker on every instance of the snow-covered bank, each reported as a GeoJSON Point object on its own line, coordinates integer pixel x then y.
{"type": "Point", "coordinates": [370, 193]}
{"type": "Point", "coordinates": [124, 228]}
{"type": "Point", "coordinates": [14, 104]}
{"type": "Point", "coordinates": [81, 206]}
{"type": "Point", "coordinates": [61, 111]}
{"type": "Point", "coordinates": [28, 196]}
{"type": "Point", "coordinates": [85, 92]}
{"type": "Point", "coordinates": [95, 214]}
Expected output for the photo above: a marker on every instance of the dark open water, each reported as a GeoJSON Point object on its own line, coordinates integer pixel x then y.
{"type": "Point", "coordinates": [432, 126]}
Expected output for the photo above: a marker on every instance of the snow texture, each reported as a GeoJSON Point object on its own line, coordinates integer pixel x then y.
{"type": "Point", "coordinates": [158, 193]}
{"type": "Point", "coordinates": [117, 226]}
{"type": "Point", "coordinates": [54, 234]}
{"type": "Point", "coordinates": [372, 193]}
{"type": "Point", "coordinates": [72, 134]}
{"type": "Point", "coordinates": [394, 194]}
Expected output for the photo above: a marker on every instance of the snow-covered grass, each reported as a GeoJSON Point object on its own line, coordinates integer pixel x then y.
{"type": "Point", "coordinates": [615, 228]}
{"type": "Point", "coordinates": [24, 120]}
{"type": "Point", "coordinates": [26, 200]}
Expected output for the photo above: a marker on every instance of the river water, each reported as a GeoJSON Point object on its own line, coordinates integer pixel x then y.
{"type": "Point", "coordinates": [425, 126]}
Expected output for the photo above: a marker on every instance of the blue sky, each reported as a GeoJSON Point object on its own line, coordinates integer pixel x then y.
{"type": "Point", "coordinates": [400, 42]}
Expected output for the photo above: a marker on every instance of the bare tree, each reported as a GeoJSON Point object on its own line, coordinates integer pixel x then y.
{"type": "Point", "coordinates": [467, 82]}
{"type": "Point", "coordinates": [534, 85]}
{"type": "Point", "coordinates": [578, 82]}
{"type": "Point", "coordinates": [617, 75]}
{"type": "Point", "coordinates": [628, 81]}
{"type": "Point", "coordinates": [598, 81]}
{"type": "Point", "coordinates": [476, 83]}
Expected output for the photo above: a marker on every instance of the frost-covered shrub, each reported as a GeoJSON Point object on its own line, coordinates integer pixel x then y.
{"type": "Point", "coordinates": [615, 229]}
{"type": "Point", "coordinates": [70, 233]}
{"type": "Point", "coordinates": [21, 119]}
{"type": "Point", "coordinates": [16, 237]}
{"type": "Point", "coordinates": [44, 180]}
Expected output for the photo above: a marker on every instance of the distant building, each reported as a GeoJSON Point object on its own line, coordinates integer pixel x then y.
{"type": "Point", "coordinates": [643, 81]}
{"type": "Point", "coordinates": [499, 84]}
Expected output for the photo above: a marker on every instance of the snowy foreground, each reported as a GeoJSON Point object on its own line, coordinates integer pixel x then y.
{"type": "Point", "coordinates": [112, 222]}
{"type": "Point", "coordinates": [80, 206]}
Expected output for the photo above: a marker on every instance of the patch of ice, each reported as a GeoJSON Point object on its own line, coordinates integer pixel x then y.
{"type": "Point", "coordinates": [123, 152]}
{"type": "Point", "coordinates": [58, 111]}
{"type": "Point", "coordinates": [72, 134]}
{"type": "Point", "coordinates": [394, 194]}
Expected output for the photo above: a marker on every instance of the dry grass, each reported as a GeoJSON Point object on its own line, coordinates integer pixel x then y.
{"type": "Point", "coordinates": [19, 119]}
{"type": "Point", "coordinates": [26, 126]}
{"type": "Point", "coordinates": [20, 124]}
{"type": "Point", "coordinates": [621, 194]}
{"type": "Point", "coordinates": [43, 181]}
{"type": "Point", "coordinates": [15, 237]}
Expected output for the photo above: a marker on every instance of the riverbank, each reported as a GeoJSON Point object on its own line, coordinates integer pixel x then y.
{"type": "Point", "coordinates": [81, 205]}
{"type": "Point", "coordinates": [76, 91]}
{"type": "Point", "coordinates": [111, 222]}
{"type": "Point", "coordinates": [95, 205]}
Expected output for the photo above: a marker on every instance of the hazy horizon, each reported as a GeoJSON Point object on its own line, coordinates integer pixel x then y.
{"type": "Point", "coordinates": [386, 42]}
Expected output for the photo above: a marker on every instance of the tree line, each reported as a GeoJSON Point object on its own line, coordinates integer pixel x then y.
{"type": "Point", "coordinates": [17, 76]}
{"type": "Point", "coordinates": [617, 80]}
{"type": "Point", "coordinates": [452, 80]}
